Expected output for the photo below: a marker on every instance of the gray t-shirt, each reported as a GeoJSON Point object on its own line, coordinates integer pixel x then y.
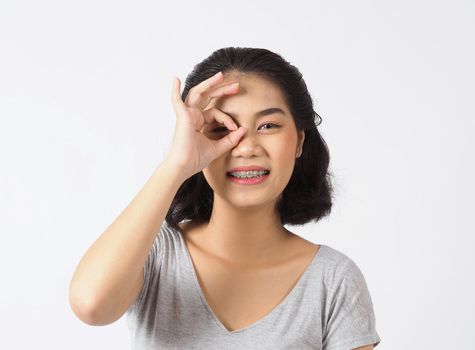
{"type": "Point", "coordinates": [329, 308]}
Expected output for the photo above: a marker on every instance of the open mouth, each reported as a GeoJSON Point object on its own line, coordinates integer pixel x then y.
{"type": "Point", "coordinates": [248, 174]}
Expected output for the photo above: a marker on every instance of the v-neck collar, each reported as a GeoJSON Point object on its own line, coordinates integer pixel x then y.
{"type": "Point", "coordinates": [262, 319]}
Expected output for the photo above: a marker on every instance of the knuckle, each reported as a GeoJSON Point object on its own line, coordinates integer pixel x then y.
{"type": "Point", "coordinates": [194, 90]}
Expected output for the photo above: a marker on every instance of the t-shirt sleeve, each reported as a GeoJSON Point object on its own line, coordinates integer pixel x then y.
{"type": "Point", "coordinates": [350, 321]}
{"type": "Point", "coordinates": [151, 272]}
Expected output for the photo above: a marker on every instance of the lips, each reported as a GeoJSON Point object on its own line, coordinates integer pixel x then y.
{"type": "Point", "coordinates": [248, 168]}
{"type": "Point", "coordinates": [267, 172]}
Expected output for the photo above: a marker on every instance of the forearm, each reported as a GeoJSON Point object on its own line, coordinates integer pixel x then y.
{"type": "Point", "coordinates": [103, 278]}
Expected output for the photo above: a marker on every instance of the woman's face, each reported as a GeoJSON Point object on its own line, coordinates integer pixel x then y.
{"type": "Point", "coordinates": [271, 141]}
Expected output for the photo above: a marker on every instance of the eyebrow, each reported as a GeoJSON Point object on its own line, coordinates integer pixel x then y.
{"type": "Point", "coordinates": [263, 113]}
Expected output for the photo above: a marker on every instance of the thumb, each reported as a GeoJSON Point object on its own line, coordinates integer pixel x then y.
{"type": "Point", "coordinates": [229, 141]}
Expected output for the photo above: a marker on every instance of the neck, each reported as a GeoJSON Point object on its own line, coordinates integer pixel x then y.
{"type": "Point", "coordinates": [244, 235]}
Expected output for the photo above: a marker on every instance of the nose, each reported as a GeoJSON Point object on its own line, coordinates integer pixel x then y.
{"type": "Point", "coordinates": [247, 146]}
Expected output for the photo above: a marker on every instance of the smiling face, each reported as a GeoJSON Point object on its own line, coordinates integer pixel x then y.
{"type": "Point", "coordinates": [271, 141]}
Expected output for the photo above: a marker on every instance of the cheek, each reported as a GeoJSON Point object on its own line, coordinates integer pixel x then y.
{"type": "Point", "coordinates": [287, 153]}
{"type": "Point", "coordinates": [209, 174]}
{"type": "Point", "coordinates": [213, 174]}
{"type": "Point", "coordinates": [284, 149]}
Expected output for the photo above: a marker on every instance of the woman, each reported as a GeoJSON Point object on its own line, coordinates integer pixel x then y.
{"type": "Point", "coordinates": [223, 272]}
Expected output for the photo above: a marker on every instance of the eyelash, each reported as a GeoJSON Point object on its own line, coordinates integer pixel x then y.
{"type": "Point", "coordinates": [223, 127]}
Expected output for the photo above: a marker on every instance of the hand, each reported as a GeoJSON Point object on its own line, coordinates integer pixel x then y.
{"type": "Point", "coordinates": [192, 150]}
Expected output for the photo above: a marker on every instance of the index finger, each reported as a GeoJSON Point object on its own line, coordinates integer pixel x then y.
{"type": "Point", "coordinates": [194, 95]}
{"type": "Point", "coordinates": [176, 99]}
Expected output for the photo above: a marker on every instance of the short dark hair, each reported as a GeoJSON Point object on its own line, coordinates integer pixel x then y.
{"type": "Point", "coordinates": [308, 195]}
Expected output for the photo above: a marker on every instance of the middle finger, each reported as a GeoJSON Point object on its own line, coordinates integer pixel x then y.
{"type": "Point", "coordinates": [201, 98]}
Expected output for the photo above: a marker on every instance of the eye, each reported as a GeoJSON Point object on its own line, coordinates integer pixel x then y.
{"type": "Point", "coordinates": [277, 126]}
{"type": "Point", "coordinates": [223, 128]}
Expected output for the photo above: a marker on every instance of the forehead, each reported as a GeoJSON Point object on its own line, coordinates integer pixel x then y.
{"type": "Point", "coordinates": [255, 92]}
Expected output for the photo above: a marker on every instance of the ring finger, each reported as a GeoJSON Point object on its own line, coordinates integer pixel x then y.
{"type": "Point", "coordinates": [214, 114]}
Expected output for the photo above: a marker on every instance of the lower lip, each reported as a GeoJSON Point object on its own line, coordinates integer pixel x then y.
{"type": "Point", "coordinates": [250, 181]}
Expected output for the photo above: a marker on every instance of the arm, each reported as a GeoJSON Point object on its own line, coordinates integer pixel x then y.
{"type": "Point", "coordinates": [351, 320]}
{"type": "Point", "coordinates": [366, 347]}
{"type": "Point", "coordinates": [110, 274]}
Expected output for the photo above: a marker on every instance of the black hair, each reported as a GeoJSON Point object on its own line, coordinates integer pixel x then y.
{"type": "Point", "coordinates": [308, 195]}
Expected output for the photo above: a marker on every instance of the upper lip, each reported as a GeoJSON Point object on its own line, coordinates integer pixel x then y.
{"type": "Point", "coordinates": [247, 168]}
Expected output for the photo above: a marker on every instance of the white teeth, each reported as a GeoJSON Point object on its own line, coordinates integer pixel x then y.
{"type": "Point", "coordinates": [247, 174]}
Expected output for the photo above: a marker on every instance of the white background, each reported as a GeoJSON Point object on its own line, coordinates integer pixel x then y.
{"type": "Point", "coordinates": [86, 116]}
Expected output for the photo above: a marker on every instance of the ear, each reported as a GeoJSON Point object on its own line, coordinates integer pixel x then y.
{"type": "Point", "coordinates": [301, 138]}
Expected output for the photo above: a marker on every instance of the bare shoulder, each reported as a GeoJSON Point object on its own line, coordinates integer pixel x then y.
{"type": "Point", "coordinates": [366, 347]}
{"type": "Point", "coordinates": [189, 230]}
{"type": "Point", "coordinates": [299, 245]}
{"type": "Point", "coordinates": [187, 226]}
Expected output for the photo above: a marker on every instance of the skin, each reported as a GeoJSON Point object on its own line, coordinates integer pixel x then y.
{"type": "Point", "coordinates": [245, 260]}
{"type": "Point", "coordinates": [244, 226]}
